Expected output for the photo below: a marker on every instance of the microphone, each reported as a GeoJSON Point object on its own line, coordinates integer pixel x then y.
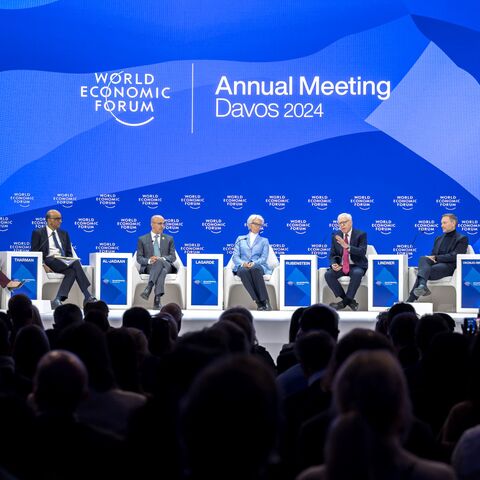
{"type": "Point", "coordinates": [45, 241]}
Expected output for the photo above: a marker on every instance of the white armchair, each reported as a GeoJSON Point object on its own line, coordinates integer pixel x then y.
{"type": "Point", "coordinates": [326, 295]}
{"type": "Point", "coordinates": [235, 293]}
{"type": "Point", "coordinates": [444, 291]}
{"type": "Point", "coordinates": [51, 282]}
{"type": "Point", "coordinates": [175, 285]}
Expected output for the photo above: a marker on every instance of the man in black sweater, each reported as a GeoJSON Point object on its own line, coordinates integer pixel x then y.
{"type": "Point", "coordinates": [443, 260]}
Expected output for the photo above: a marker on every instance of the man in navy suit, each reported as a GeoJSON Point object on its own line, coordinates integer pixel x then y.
{"type": "Point", "coordinates": [250, 255]}
{"type": "Point", "coordinates": [443, 260]}
{"type": "Point", "coordinates": [156, 255]}
{"type": "Point", "coordinates": [53, 243]}
{"type": "Point", "coordinates": [347, 258]}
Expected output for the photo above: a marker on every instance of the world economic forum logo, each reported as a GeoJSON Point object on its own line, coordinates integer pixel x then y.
{"type": "Point", "coordinates": [107, 247]}
{"type": "Point", "coordinates": [363, 202]}
{"type": "Point", "coordinates": [192, 247]}
{"type": "Point", "coordinates": [108, 200]}
{"type": "Point", "coordinates": [278, 202]}
{"type": "Point", "coordinates": [129, 224]}
{"type": "Point", "coordinates": [86, 224]}
{"type": "Point", "coordinates": [469, 226]}
{"type": "Point", "coordinates": [426, 226]}
{"type": "Point", "coordinates": [299, 226]}
{"type": "Point", "coordinates": [405, 202]}
{"type": "Point", "coordinates": [38, 222]}
{"type": "Point", "coordinates": [193, 201]}
{"type": "Point", "coordinates": [236, 202]}
{"type": "Point", "coordinates": [150, 200]}
{"type": "Point", "coordinates": [22, 199]}
{"type": "Point", "coordinates": [66, 200]}
{"type": "Point", "coordinates": [448, 202]}
{"type": "Point", "coordinates": [19, 246]}
{"type": "Point", "coordinates": [319, 249]}
{"type": "Point", "coordinates": [384, 226]}
{"type": "Point", "coordinates": [5, 222]}
{"type": "Point", "coordinates": [173, 225]}
{"type": "Point", "coordinates": [404, 249]}
{"type": "Point", "coordinates": [131, 98]}
{"type": "Point", "coordinates": [320, 202]}
{"type": "Point", "coordinates": [214, 225]}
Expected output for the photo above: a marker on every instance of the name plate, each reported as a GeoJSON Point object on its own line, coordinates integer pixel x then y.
{"type": "Point", "coordinates": [298, 281]}
{"type": "Point", "coordinates": [25, 268]}
{"type": "Point", "coordinates": [205, 281]}
{"type": "Point", "coordinates": [387, 280]}
{"type": "Point", "coordinates": [468, 283]}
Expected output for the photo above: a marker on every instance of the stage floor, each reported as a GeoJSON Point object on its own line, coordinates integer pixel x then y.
{"type": "Point", "coordinates": [271, 327]}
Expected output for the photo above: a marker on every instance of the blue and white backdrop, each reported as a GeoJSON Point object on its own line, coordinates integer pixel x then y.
{"type": "Point", "coordinates": [207, 111]}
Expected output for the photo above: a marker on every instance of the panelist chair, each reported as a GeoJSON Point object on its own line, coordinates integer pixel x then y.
{"type": "Point", "coordinates": [444, 291]}
{"type": "Point", "coordinates": [175, 285]}
{"type": "Point", "coordinates": [236, 294]}
{"type": "Point", "coordinates": [326, 296]}
{"type": "Point", "coordinates": [51, 282]}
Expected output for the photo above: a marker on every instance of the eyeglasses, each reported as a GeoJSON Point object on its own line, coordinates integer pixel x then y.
{"type": "Point", "coordinates": [344, 222]}
{"type": "Point", "coordinates": [158, 223]}
{"type": "Point", "coordinates": [257, 224]}
{"type": "Point", "coordinates": [56, 218]}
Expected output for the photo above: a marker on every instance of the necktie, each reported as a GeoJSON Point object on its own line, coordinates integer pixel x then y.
{"type": "Point", "coordinates": [345, 260]}
{"type": "Point", "coordinates": [156, 246]}
{"type": "Point", "coordinates": [57, 244]}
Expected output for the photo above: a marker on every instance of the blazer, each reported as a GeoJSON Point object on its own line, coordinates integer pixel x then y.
{"type": "Point", "coordinates": [458, 244]}
{"type": "Point", "coordinates": [40, 242]}
{"type": "Point", "coordinates": [145, 250]}
{"type": "Point", "coordinates": [257, 253]}
{"type": "Point", "coordinates": [358, 249]}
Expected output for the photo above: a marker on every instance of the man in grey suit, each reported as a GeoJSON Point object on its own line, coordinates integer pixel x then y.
{"type": "Point", "coordinates": [156, 255]}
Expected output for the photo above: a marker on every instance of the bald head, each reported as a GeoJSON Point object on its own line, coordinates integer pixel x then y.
{"type": "Point", "coordinates": [54, 219]}
{"type": "Point", "coordinates": [158, 223]}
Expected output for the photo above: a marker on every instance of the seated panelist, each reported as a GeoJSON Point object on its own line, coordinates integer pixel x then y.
{"type": "Point", "coordinates": [250, 255]}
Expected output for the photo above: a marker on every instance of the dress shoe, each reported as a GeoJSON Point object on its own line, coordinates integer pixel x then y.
{"type": "Point", "coordinates": [421, 291]}
{"type": "Point", "coordinates": [353, 305]}
{"type": "Point", "coordinates": [16, 284]}
{"type": "Point", "coordinates": [156, 302]}
{"type": "Point", "coordinates": [260, 305]}
{"type": "Point", "coordinates": [56, 302]}
{"type": "Point", "coordinates": [338, 305]}
{"type": "Point", "coordinates": [90, 299]}
{"type": "Point", "coordinates": [146, 293]}
{"type": "Point", "coordinates": [411, 298]}
{"type": "Point", "coordinates": [268, 307]}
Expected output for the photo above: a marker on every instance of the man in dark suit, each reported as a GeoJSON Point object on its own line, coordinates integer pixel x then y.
{"type": "Point", "coordinates": [347, 258]}
{"type": "Point", "coordinates": [53, 243]}
{"type": "Point", "coordinates": [443, 260]}
{"type": "Point", "coordinates": [156, 255]}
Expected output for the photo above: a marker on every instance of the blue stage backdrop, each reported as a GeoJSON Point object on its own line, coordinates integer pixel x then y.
{"type": "Point", "coordinates": [205, 112]}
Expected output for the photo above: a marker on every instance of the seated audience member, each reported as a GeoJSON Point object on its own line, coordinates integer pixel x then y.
{"type": "Point", "coordinates": [81, 451]}
{"type": "Point", "coordinates": [442, 262]}
{"type": "Point", "coordinates": [371, 398]}
{"type": "Point", "coordinates": [250, 255]}
{"type": "Point", "coordinates": [138, 317]}
{"type": "Point", "coordinates": [175, 311]}
{"type": "Point", "coordinates": [314, 318]}
{"type": "Point", "coordinates": [244, 319]}
{"type": "Point", "coordinates": [64, 316]}
{"type": "Point", "coordinates": [465, 459]}
{"type": "Point", "coordinates": [348, 257]}
{"type": "Point", "coordinates": [230, 420]}
{"type": "Point", "coordinates": [106, 406]}
{"type": "Point", "coordinates": [287, 358]}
